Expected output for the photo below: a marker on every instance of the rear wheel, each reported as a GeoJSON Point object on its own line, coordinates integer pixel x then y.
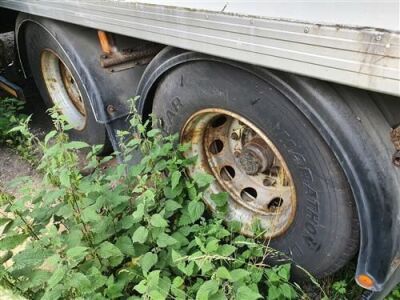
{"type": "Point", "coordinates": [59, 84]}
{"type": "Point", "coordinates": [267, 156]}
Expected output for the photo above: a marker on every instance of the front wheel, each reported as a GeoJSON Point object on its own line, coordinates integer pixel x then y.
{"type": "Point", "coordinates": [267, 156]}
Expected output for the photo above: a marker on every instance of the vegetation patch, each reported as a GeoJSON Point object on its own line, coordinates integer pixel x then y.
{"type": "Point", "coordinates": [134, 232]}
{"type": "Point", "coordinates": [131, 231]}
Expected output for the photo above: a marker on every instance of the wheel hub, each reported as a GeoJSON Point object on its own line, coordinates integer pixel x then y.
{"type": "Point", "coordinates": [63, 89]}
{"type": "Point", "coordinates": [256, 157]}
{"type": "Point", "coordinates": [246, 165]}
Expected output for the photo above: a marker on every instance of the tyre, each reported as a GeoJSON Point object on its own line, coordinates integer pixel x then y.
{"type": "Point", "coordinates": [267, 156]}
{"type": "Point", "coordinates": [59, 83]}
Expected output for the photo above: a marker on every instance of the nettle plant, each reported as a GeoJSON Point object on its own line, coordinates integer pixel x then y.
{"type": "Point", "coordinates": [129, 232]}
{"type": "Point", "coordinates": [13, 124]}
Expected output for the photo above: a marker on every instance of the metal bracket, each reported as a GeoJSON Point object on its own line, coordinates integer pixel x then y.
{"type": "Point", "coordinates": [142, 56]}
{"type": "Point", "coordinates": [118, 58]}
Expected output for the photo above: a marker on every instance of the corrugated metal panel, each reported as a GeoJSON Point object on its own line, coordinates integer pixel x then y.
{"type": "Point", "coordinates": [362, 57]}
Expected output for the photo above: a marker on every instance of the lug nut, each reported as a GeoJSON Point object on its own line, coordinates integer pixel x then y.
{"type": "Point", "coordinates": [111, 109]}
{"type": "Point", "coordinates": [235, 136]}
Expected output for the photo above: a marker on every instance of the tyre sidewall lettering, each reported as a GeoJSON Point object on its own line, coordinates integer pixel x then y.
{"type": "Point", "coordinates": [322, 226]}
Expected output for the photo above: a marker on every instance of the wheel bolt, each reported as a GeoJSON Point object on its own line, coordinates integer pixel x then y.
{"type": "Point", "coordinates": [235, 136]}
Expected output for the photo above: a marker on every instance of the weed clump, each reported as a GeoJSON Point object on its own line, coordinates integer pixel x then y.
{"type": "Point", "coordinates": [14, 131]}
{"type": "Point", "coordinates": [129, 232]}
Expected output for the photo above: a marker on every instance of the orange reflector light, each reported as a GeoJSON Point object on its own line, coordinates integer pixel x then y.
{"type": "Point", "coordinates": [104, 42]}
{"type": "Point", "coordinates": [365, 281]}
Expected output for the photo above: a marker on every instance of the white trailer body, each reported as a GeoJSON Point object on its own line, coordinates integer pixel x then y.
{"type": "Point", "coordinates": [355, 43]}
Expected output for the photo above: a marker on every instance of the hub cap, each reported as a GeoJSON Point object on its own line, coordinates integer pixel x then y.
{"type": "Point", "coordinates": [246, 165]}
{"type": "Point", "coordinates": [63, 89]}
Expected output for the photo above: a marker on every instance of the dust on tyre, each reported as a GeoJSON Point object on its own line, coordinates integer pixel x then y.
{"type": "Point", "coordinates": [59, 84]}
{"type": "Point", "coordinates": [285, 168]}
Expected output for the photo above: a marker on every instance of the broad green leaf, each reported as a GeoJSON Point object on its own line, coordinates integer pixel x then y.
{"type": "Point", "coordinates": [284, 271]}
{"type": "Point", "coordinates": [89, 214]}
{"type": "Point", "coordinates": [156, 295]}
{"type": "Point", "coordinates": [57, 276]}
{"type": "Point", "coordinates": [107, 250]}
{"type": "Point", "coordinates": [175, 177]}
{"type": "Point", "coordinates": [140, 235]}
{"type": "Point", "coordinates": [76, 145]}
{"type": "Point", "coordinates": [239, 274]}
{"type": "Point", "coordinates": [81, 282]}
{"type": "Point", "coordinates": [141, 287]}
{"type": "Point", "coordinates": [30, 258]}
{"type": "Point", "coordinates": [178, 281]}
{"type": "Point", "coordinates": [9, 242]}
{"type": "Point", "coordinates": [195, 210]}
{"type": "Point", "coordinates": [158, 221]}
{"type": "Point", "coordinates": [220, 199]}
{"type": "Point", "coordinates": [176, 288]}
{"type": "Point", "coordinates": [124, 243]}
{"type": "Point", "coordinates": [274, 293]}
{"type": "Point", "coordinates": [203, 179]}
{"type": "Point", "coordinates": [148, 261]}
{"type": "Point", "coordinates": [223, 273]}
{"type": "Point", "coordinates": [171, 205]}
{"type": "Point", "coordinates": [38, 278]}
{"type": "Point", "coordinates": [164, 240]}
{"type": "Point", "coordinates": [153, 132]}
{"type": "Point", "coordinates": [226, 250]}
{"type": "Point", "coordinates": [207, 289]}
{"type": "Point", "coordinates": [212, 246]}
{"type": "Point", "coordinates": [138, 213]}
{"type": "Point", "coordinates": [153, 279]}
{"type": "Point", "coordinates": [290, 293]}
{"type": "Point", "coordinates": [77, 253]}
{"type": "Point", "coordinates": [162, 289]}
{"type": "Point", "coordinates": [127, 222]}
{"type": "Point", "coordinates": [96, 278]}
{"type": "Point", "coordinates": [245, 292]}
{"type": "Point", "coordinates": [175, 256]}
{"type": "Point", "coordinates": [65, 179]}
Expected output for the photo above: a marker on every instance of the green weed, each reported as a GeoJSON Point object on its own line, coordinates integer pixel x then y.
{"type": "Point", "coordinates": [129, 232]}
{"type": "Point", "coordinates": [395, 294]}
{"type": "Point", "coordinates": [14, 130]}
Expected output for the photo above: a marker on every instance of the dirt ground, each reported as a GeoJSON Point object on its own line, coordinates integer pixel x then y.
{"type": "Point", "coordinates": [12, 166]}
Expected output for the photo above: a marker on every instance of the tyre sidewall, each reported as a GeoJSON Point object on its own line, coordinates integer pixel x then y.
{"type": "Point", "coordinates": [39, 39]}
{"type": "Point", "coordinates": [321, 232]}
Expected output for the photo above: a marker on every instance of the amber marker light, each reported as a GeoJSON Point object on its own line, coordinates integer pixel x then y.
{"type": "Point", "coordinates": [104, 42]}
{"type": "Point", "coordinates": [365, 281]}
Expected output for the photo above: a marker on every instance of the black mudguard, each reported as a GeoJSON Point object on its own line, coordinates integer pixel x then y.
{"type": "Point", "coordinates": [357, 133]}
{"type": "Point", "coordinates": [108, 91]}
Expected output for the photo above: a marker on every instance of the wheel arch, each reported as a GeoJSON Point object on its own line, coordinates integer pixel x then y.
{"type": "Point", "coordinates": [54, 29]}
{"type": "Point", "coordinates": [21, 23]}
{"type": "Point", "coordinates": [351, 136]}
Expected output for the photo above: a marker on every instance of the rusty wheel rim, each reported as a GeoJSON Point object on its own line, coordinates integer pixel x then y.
{"type": "Point", "coordinates": [246, 165]}
{"type": "Point", "coordinates": [63, 89]}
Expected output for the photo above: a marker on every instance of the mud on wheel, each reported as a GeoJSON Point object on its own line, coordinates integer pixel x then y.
{"type": "Point", "coordinates": [245, 164]}
{"type": "Point", "coordinates": [51, 61]}
{"type": "Point", "coordinates": [267, 156]}
{"type": "Point", "coordinates": [63, 89]}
